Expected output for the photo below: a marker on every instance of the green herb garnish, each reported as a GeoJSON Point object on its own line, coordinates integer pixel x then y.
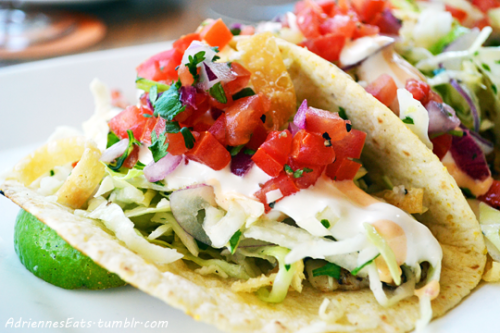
{"type": "Point", "coordinates": [456, 133]}
{"type": "Point", "coordinates": [188, 137]}
{"type": "Point", "coordinates": [408, 120]}
{"type": "Point", "coordinates": [329, 269]}
{"type": "Point", "coordinates": [342, 113]}
{"type": "Point", "coordinates": [168, 105]}
{"type": "Point", "coordinates": [112, 139]}
{"type": "Point", "coordinates": [218, 93]}
{"type": "Point", "coordinates": [52, 173]}
{"type": "Point", "coordinates": [355, 271]}
{"type": "Point", "coordinates": [158, 146]}
{"type": "Point", "coordinates": [245, 92]}
{"type": "Point", "coordinates": [193, 63]}
{"type": "Point", "coordinates": [249, 151]}
{"type": "Point", "coordinates": [131, 142]}
{"type": "Point", "coordinates": [235, 150]}
{"type": "Point", "coordinates": [325, 223]}
{"type": "Point", "coordinates": [234, 241]}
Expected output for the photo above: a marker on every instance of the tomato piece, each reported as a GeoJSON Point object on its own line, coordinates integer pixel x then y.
{"type": "Point", "coordinates": [384, 89]}
{"type": "Point", "coordinates": [267, 163]}
{"type": "Point", "coordinates": [351, 145]}
{"type": "Point", "coordinates": [242, 118]}
{"type": "Point", "coordinates": [161, 67]}
{"type": "Point", "coordinates": [191, 114]}
{"type": "Point", "coordinates": [419, 90]}
{"type": "Point", "coordinates": [176, 144]}
{"type": "Point", "coordinates": [148, 128]}
{"type": "Point", "coordinates": [441, 145]}
{"type": "Point", "coordinates": [283, 183]}
{"type": "Point", "coordinates": [457, 13]}
{"type": "Point", "coordinates": [363, 30]}
{"type": "Point", "coordinates": [310, 148]}
{"type": "Point", "coordinates": [209, 151]}
{"type": "Point", "coordinates": [185, 76]}
{"type": "Point", "coordinates": [327, 47]}
{"type": "Point", "coordinates": [183, 43]}
{"type": "Point", "coordinates": [480, 24]}
{"type": "Point", "coordinates": [241, 81]}
{"type": "Point", "coordinates": [278, 144]}
{"type": "Point", "coordinates": [339, 25]}
{"type": "Point", "coordinates": [259, 135]}
{"type": "Point", "coordinates": [132, 158]}
{"type": "Point", "coordinates": [486, 5]}
{"type": "Point", "coordinates": [370, 8]}
{"type": "Point", "coordinates": [309, 21]}
{"type": "Point", "coordinates": [492, 197]}
{"type": "Point", "coordinates": [216, 34]}
{"type": "Point", "coordinates": [320, 121]}
{"type": "Point", "coordinates": [130, 119]}
{"type": "Point", "coordinates": [204, 122]}
{"type": "Point", "coordinates": [307, 178]}
{"type": "Point", "coordinates": [218, 129]}
{"type": "Point", "coordinates": [327, 6]}
{"type": "Point", "coordinates": [215, 103]}
{"type": "Point", "coordinates": [342, 169]}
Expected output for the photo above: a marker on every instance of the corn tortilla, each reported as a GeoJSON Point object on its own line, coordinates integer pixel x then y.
{"type": "Point", "coordinates": [390, 147]}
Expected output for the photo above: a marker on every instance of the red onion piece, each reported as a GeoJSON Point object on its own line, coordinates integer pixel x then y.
{"type": "Point", "coordinates": [468, 99]}
{"type": "Point", "coordinates": [115, 151]}
{"type": "Point", "coordinates": [389, 24]}
{"type": "Point", "coordinates": [300, 117]}
{"type": "Point", "coordinates": [187, 203]}
{"type": "Point", "coordinates": [159, 170]}
{"type": "Point", "coordinates": [188, 96]}
{"type": "Point", "coordinates": [469, 157]}
{"type": "Point", "coordinates": [293, 128]}
{"type": "Point", "coordinates": [486, 146]}
{"type": "Point", "coordinates": [214, 72]}
{"type": "Point", "coordinates": [442, 117]}
{"type": "Point", "coordinates": [241, 163]}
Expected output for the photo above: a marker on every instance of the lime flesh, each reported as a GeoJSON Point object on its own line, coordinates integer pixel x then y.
{"type": "Point", "coordinates": [45, 254]}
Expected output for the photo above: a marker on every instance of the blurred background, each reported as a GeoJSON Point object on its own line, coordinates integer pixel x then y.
{"type": "Point", "coordinates": [32, 30]}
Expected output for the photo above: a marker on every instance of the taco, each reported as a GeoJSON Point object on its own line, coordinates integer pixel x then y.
{"type": "Point", "coordinates": [245, 224]}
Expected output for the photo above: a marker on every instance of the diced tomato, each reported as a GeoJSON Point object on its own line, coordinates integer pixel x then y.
{"type": "Point", "coordinates": [419, 90]}
{"type": "Point", "coordinates": [351, 145]}
{"type": "Point", "coordinates": [130, 119]}
{"type": "Point", "coordinates": [485, 5]}
{"type": "Point", "coordinates": [457, 13]}
{"type": "Point", "coordinates": [339, 25]}
{"type": "Point", "coordinates": [161, 67]}
{"type": "Point", "coordinates": [242, 118]}
{"type": "Point", "coordinates": [310, 148]}
{"type": "Point", "coordinates": [132, 158]}
{"type": "Point", "coordinates": [183, 43]}
{"type": "Point", "coordinates": [185, 76]}
{"type": "Point", "coordinates": [492, 197]}
{"type": "Point", "coordinates": [342, 169]}
{"type": "Point", "coordinates": [320, 121]}
{"type": "Point", "coordinates": [204, 122]}
{"type": "Point", "coordinates": [218, 129]}
{"type": "Point", "coordinates": [191, 115]}
{"type": "Point", "coordinates": [384, 89]}
{"type": "Point", "coordinates": [385, 21]}
{"type": "Point", "coordinates": [259, 135]}
{"type": "Point", "coordinates": [327, 6]}
{"type": "Point", "coordinates": [229, 97]}
{"type": "Point", "coordinates": [363, 30]}
{"type": "Point", "coordinates": [480, 24]}
{"type": "Point", "coordinates": [176, 144]}
{"type": "Point", "coordinates": [328, 46]}
{"type": "Point", "coordinates": [241, 80]}
{"type": "Point", "coordinates": [441, 145]}
{"type": "Point", "coordinates": [283, 183]}
{"type": "Point", "coordinates": [216, 34]}
{"type": "Point", "coordinates": [273, 153]}
{"type": "Point", "coordinates": [74, 164]}
{"type": "Point", "coordinates": [309, 21]}
{"type": "Point", "coordinates": [370, 8]}
{"type": "Point", "coordinates": [267, 163]}
{"type": "Point", "coordinates": [148, 128]}
{"type": "Point", "coordinates": [209, 151]}
{"type": "Point", "coordinates": [307, 178]}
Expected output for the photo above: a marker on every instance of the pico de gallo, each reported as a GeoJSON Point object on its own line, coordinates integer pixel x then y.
{"type": "Point", "coordinates": [427, 63]}
{"type": "Point", "coordinates": [218, 164]}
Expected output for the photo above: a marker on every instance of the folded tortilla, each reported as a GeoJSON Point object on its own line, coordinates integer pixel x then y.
{"type": "Point", "coordinates": [391, 149]}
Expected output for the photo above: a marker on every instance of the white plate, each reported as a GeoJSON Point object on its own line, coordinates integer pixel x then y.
{"type": "Point", "coordinates": [34, 99]}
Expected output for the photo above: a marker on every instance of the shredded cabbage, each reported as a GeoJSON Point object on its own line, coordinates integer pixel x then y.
{"type": "Point", "coordinates": [186, 239]}
{"type": "Point", "coordinates": [415, 116]}
{"type": "Point", "coordinates": [385, 251]}
{"type": "Point", "coordinates": [489, 220]}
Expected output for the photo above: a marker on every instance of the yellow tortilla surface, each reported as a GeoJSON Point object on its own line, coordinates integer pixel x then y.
{"type": "Point", "coordinates": [390, 147]}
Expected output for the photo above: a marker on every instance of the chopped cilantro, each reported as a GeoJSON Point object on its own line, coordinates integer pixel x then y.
{"type": "Point", "coordinates": [158, 146]}
{"type": "Point", "coordinates": [342, 113]}
{"type": "Point", "coordinates": [188, 137]}
{"type": "Point", "coordinates": [139, 166]}
{"type": "Point", "coordinates": [494, 88]}
{"type": "Point", "coordinates": [52, 173]}
{"type": "Point", "coordinates": [218, 93]}
{"type": "Point", "coordinates": [249, 151]}
{"type": "Point", "coordinates": [193, 63]}
{"type": "Point", "coordinates": [329, 269]}
{"type": "Point", "coordinates": [131, 142]}
{"type": "Point", "coordinates": [168, 105]}
{"type": "Point", "coordinates": [467, 193]}
{"type": "Point", "coordinates": [153, 94]}
{"type": "Point", "coordinates": [146, 115]}
{"type": "Point", "coordinates": [236, 31]}
{"type": "Point", "coordinates": [486, 67]}
{"type": "Point", "coordinates": [297, 173]}
{"type": "Point", "coordinates": [456, 133]}
{"type": "Point", "coordinates": [172, 127]}
{"type": "Point", "coordinates": [325, 223]}
{"type": "Point", "coordinates": [287, 267]}
{"type": "Point", "coordinates": [288, 169]}
{"type": "Point", "coordinates": [272, 204]}
{"type": "Point", "coordinates": [215, 49]}
{"type": "Point", "coordinates": [355, 271]}
{"type": "Point", "coordinates": [233, 242]}
{"type": "Point", "coordinates": [112, 139]}
{"type": "Point", "coordinates": [245, 92]}
{"type": "Point", "coordinates": [235, 150]}
{"type": "Point", "coordinates": [408, 120]}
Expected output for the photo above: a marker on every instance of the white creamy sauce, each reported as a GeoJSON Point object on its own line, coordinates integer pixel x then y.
{"type": "Point", "coordinates": [352, 207]}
